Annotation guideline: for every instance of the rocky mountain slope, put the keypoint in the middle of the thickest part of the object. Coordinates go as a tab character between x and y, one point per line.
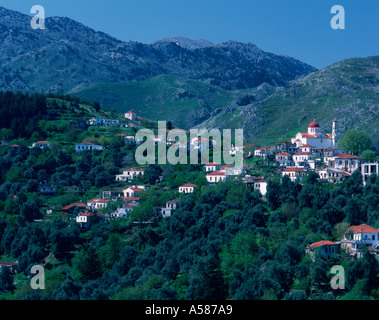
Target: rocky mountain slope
347	91
67	56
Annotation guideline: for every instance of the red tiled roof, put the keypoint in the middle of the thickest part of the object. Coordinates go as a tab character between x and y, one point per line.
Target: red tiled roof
346	156
131	199
41	142
313	125
86	214
174	201
68	207
283	154
363	228
130	112
98	200
135	189
80	205
303	154
307	135
293	169
188	185
322	243
212	164
216	174
306	146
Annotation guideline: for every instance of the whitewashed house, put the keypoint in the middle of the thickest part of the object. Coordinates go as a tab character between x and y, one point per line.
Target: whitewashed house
103	122
209	167
41	144
231	171
307	148
345	162
326	249
130	174
262	153
294	173
202	144
330	153
304	160
332	175
97	203
132	192
261	186
187	188
171	206
131	115
368	169
214	177
283	159
87	146
358	236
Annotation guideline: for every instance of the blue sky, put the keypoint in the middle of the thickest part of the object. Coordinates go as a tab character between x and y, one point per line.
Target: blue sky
297	28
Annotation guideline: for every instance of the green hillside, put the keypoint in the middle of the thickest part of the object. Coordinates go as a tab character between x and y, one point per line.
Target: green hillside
183	101
346	91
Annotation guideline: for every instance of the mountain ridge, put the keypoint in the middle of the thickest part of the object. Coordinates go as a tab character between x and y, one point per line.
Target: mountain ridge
67	56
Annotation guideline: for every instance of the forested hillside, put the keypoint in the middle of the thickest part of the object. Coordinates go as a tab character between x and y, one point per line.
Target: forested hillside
224	242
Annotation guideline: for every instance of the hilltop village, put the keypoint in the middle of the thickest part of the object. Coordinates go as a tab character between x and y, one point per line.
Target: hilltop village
80	182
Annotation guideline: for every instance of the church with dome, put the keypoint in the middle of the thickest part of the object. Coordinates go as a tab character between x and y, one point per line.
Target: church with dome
316	138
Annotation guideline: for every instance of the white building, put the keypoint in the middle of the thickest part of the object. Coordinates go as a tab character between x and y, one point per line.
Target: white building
130	174
132	192
307	148
315	137
283	159
87	146
131	115
330	153
214	177
358	236
368	169
41	144
202	144
294	173
262	153
187	188
103	122
345	162
171	206
304	160
209	167
261	186
83	218
231	171
97	203
332	175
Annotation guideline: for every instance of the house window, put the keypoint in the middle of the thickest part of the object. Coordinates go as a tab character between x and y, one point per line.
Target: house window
373	237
